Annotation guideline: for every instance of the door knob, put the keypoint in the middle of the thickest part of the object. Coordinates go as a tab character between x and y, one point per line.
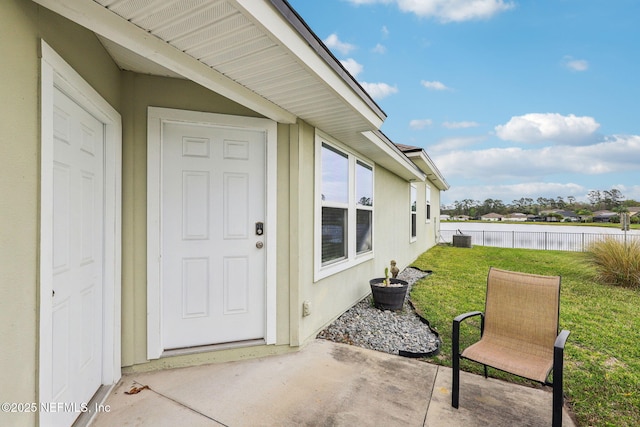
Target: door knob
259	245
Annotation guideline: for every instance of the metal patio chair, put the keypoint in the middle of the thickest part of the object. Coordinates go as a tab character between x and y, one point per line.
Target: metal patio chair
519	332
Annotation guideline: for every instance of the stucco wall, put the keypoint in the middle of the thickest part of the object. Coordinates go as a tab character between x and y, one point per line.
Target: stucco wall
139	92
331	296
22	25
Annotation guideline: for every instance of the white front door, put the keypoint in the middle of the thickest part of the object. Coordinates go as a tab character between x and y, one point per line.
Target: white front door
78	244
213	254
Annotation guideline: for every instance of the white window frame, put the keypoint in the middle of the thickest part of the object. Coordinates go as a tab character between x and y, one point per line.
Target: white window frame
352	258
427	212
413	189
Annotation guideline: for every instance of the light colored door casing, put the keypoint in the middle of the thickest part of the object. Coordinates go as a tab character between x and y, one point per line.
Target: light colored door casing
79	337
211	276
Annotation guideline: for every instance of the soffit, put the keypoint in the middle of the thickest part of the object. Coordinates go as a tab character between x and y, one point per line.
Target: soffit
225	36
256	52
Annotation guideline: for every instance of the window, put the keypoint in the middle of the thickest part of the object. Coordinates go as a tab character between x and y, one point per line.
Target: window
364	207
428	202
344	203
414	213
335	204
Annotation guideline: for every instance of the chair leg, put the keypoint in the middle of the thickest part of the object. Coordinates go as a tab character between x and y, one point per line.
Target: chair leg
558	398
455	357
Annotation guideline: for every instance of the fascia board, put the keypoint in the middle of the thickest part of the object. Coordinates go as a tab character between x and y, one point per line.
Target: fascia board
393	160
272	22
422	159
100	20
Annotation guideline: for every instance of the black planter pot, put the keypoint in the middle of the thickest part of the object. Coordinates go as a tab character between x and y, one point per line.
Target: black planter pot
388	297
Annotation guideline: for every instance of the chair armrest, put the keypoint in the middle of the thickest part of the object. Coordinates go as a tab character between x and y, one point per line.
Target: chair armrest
465	316
561	339
455	331
460	318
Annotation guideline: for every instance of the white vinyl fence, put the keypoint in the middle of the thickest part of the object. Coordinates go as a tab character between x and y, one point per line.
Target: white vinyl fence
543	240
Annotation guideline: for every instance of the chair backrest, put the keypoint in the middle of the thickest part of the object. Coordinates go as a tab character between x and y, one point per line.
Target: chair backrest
522	307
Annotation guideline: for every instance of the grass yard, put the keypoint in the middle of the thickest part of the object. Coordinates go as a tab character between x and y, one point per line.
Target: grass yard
602	355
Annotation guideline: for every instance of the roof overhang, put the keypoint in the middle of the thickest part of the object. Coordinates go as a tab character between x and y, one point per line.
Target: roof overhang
258	53
423	161
387	154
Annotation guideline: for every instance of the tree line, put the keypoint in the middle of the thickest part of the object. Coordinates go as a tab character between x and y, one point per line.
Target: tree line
612	200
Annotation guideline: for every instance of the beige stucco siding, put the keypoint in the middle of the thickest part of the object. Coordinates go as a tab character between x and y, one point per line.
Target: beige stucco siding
331	296
139	92
22	25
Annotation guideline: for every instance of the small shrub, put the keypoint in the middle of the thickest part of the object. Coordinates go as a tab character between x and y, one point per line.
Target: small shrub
617	263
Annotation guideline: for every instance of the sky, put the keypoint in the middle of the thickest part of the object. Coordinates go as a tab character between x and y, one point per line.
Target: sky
509	98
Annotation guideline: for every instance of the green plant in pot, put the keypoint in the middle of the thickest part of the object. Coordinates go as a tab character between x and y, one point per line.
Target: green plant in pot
389	292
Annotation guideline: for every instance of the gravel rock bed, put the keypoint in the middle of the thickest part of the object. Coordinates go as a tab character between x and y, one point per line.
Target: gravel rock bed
402	332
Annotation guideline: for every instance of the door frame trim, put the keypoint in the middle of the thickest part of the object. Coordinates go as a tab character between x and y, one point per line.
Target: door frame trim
156	118
57	73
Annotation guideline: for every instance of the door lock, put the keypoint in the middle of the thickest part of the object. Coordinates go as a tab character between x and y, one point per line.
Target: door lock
259	228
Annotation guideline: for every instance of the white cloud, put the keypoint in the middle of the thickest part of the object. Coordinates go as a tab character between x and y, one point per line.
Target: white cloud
434	85
379	49
352	66
553	127
510	173
379	90
460	125
630	192
455	143
448	10
615	154
385	31
575	64
420	123
333	42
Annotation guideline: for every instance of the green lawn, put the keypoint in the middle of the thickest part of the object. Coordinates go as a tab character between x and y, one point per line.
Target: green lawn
602	356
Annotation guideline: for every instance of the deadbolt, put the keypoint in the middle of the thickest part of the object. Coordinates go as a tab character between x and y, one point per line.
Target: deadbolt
259	245
259	228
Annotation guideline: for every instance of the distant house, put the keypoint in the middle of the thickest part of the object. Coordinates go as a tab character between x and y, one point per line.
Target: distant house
634	211
603	216
461	218
516	217
568	215
492	217
552	215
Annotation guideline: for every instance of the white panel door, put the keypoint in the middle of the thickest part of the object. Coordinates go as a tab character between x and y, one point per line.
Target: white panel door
213	261
78	239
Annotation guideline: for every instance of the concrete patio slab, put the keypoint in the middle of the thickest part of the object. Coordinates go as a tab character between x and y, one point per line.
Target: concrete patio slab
324	384
489	402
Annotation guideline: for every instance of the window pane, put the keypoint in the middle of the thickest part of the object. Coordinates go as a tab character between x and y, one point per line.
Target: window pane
335	175
414	208
334	234
363	231
414	198
414	231
364	185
